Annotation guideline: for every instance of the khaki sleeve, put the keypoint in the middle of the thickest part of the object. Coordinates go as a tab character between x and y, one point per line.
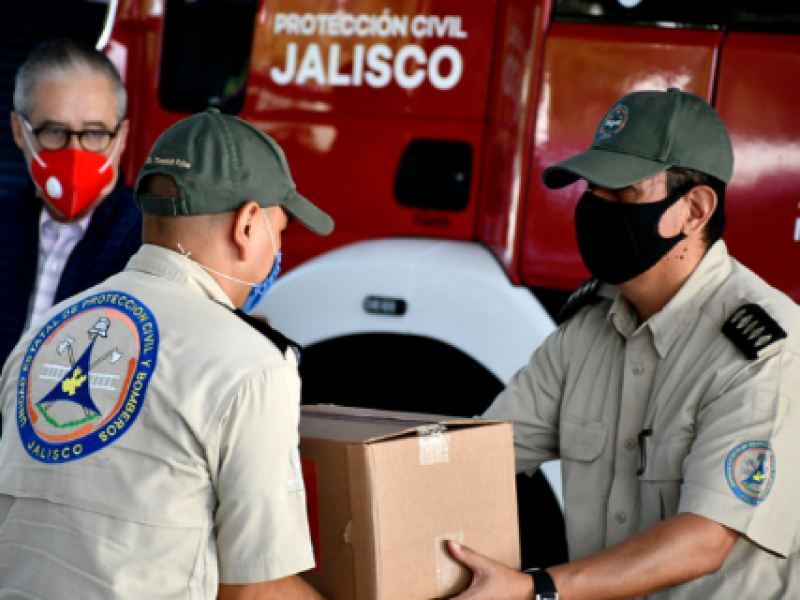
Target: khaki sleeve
742	470
261	522
532	401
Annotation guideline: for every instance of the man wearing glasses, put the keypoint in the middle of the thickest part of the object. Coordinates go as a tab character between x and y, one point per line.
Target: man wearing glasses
76	223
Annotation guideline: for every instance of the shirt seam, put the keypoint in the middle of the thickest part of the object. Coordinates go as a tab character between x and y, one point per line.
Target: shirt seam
226	405
267	561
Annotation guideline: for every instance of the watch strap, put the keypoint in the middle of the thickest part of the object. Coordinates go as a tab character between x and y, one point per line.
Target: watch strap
543	586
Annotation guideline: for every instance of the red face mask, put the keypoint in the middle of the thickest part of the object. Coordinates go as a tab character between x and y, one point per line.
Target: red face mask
71	178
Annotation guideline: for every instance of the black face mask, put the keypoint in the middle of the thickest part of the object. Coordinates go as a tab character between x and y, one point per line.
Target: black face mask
619	242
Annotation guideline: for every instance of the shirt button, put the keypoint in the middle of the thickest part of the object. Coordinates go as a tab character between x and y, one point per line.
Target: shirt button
630	444
637	369
54	265
619	517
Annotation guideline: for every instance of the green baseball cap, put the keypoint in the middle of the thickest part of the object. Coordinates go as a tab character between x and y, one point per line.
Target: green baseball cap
646	133
219	163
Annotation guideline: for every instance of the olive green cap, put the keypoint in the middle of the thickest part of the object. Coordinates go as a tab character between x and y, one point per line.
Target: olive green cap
646	133
219	163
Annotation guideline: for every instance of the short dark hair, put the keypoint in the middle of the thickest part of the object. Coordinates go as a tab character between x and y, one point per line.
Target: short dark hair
61	58
678	177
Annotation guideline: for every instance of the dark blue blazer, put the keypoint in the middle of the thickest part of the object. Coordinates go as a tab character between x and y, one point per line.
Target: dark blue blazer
114	235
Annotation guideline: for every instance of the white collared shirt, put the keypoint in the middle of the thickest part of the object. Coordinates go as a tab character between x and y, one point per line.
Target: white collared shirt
56	243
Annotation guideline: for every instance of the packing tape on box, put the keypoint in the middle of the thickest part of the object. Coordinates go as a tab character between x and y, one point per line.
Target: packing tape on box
447	567
434	445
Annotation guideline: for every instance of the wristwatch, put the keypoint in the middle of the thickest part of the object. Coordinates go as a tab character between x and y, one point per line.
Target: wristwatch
543	586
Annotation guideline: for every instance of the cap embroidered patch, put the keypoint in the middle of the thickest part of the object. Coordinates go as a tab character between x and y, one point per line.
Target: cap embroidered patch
613	122
84	377
750	471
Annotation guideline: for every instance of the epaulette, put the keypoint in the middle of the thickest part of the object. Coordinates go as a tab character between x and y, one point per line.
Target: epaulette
273	335
583	296
751	330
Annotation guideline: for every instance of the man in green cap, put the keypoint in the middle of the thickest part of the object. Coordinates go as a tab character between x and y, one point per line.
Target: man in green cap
671	390
151	445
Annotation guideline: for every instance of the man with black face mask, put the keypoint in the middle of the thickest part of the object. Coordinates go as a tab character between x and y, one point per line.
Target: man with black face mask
671	390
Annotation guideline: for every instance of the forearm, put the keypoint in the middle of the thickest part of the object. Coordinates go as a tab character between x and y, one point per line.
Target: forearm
288	588
672	552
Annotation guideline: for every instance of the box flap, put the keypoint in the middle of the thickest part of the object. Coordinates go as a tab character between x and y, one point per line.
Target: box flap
432	429
368	426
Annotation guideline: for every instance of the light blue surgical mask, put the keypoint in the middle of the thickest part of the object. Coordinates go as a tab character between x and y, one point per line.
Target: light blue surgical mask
258	290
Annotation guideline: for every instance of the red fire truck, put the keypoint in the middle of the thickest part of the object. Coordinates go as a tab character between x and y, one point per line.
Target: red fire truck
422	127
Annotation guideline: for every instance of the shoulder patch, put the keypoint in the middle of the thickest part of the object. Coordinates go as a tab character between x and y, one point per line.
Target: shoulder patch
750	471
751	330
84	378
586	294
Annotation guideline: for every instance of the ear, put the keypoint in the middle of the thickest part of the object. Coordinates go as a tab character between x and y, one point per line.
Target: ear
243	228
16	128
124	128
19	140
702	202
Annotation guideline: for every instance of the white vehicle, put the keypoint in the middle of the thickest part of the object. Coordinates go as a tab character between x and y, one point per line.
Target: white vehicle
421	325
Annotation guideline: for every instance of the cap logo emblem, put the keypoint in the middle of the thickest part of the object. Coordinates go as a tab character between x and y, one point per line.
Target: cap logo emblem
613	122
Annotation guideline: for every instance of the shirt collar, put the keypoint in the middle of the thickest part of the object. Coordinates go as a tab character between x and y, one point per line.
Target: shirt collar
172	266
46	221
668	323
622	315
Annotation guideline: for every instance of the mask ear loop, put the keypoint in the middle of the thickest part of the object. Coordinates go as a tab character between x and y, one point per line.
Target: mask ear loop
187	256
27	141
269	229
110	158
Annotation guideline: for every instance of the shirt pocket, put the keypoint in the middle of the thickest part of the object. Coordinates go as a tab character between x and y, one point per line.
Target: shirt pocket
582	440
581	444
662	478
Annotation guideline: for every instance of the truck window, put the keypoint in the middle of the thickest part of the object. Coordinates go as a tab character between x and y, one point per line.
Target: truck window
206	54
666	13
757	15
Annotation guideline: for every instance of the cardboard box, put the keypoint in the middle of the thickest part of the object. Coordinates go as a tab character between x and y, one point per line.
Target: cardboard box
386	489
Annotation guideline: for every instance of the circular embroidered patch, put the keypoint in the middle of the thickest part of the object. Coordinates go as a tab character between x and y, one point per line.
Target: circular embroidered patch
84	377
750	471
613	122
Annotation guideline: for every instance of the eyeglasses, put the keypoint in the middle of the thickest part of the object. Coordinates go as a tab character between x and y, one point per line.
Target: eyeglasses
55	137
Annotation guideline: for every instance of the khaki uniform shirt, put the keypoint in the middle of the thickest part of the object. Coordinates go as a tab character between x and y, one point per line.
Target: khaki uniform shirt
725	430
150	445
